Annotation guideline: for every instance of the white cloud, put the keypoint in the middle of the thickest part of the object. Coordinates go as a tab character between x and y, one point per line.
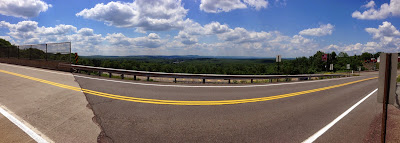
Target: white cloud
216	6
370	4
23	8
145	15
385	10
386	39
384	30
386	33
216	28
257	4
28	32
321	31
150	41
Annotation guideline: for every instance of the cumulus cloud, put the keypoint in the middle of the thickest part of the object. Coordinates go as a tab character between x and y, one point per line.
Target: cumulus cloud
321	31
145	15
257	4
150	41
386	39
216	6
216	28
23	8
386	33
28	32
385	10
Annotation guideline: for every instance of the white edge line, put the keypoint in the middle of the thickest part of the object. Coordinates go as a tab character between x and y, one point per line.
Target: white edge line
327	127
24	127
168	85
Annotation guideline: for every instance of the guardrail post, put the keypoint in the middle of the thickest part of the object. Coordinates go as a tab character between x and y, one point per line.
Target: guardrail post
175	80
122	76
204	80
134	77
251	80
109	75
148	78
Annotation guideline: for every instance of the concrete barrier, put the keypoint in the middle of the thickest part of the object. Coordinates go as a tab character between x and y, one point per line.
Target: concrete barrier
54	65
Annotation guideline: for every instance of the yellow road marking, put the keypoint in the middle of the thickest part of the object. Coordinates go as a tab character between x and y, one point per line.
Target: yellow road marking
177	102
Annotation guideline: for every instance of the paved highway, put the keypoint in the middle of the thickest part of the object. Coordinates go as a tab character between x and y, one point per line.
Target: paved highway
130	111
291	119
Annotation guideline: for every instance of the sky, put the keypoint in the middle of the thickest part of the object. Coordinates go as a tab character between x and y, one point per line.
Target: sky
257	28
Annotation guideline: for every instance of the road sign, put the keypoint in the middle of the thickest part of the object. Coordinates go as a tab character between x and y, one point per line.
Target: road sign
278	58
331	67
76	58
348	66
325	57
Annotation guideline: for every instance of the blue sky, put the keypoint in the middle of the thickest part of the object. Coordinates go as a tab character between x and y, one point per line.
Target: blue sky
261	28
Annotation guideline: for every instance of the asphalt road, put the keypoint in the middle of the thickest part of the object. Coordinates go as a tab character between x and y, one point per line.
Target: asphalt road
290	119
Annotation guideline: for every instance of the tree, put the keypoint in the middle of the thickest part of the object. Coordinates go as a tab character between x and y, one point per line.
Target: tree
4	43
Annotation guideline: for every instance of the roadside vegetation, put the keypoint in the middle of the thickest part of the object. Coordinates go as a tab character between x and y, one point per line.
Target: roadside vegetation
200	65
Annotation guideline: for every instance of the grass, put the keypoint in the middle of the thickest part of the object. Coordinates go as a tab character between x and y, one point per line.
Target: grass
398	78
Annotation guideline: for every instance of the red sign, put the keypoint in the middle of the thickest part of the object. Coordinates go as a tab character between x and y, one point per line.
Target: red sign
325	57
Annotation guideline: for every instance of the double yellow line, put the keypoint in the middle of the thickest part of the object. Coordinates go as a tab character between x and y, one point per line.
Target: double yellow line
176	102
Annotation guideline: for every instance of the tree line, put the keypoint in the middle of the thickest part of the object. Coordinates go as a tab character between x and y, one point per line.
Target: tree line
300	65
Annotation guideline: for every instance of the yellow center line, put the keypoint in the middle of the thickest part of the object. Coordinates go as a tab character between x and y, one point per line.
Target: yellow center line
177	102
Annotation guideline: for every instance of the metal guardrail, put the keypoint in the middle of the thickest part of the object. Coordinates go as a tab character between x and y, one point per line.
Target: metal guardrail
186	75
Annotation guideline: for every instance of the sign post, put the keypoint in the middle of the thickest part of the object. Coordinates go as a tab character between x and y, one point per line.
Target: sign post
331	67
387	86
76	58
278	60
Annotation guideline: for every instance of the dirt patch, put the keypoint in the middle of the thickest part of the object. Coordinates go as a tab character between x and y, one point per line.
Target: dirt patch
392	127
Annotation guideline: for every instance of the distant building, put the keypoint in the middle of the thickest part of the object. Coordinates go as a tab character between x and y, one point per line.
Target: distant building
379	59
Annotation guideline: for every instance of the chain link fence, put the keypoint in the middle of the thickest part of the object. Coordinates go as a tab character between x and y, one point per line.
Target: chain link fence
50	52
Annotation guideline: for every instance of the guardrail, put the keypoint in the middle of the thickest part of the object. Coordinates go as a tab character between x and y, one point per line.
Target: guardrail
147	74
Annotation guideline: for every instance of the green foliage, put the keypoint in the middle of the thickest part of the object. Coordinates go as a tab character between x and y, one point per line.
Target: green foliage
300	65
4	43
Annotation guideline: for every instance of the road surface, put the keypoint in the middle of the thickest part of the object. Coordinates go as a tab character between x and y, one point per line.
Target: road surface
131	111
291	119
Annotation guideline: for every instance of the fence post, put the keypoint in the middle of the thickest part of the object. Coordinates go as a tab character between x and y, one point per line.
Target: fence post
122	76
30	53
229	80
251	80
148	78
134	77
100	73
109	74
204	80
8	52
175	80
70	62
